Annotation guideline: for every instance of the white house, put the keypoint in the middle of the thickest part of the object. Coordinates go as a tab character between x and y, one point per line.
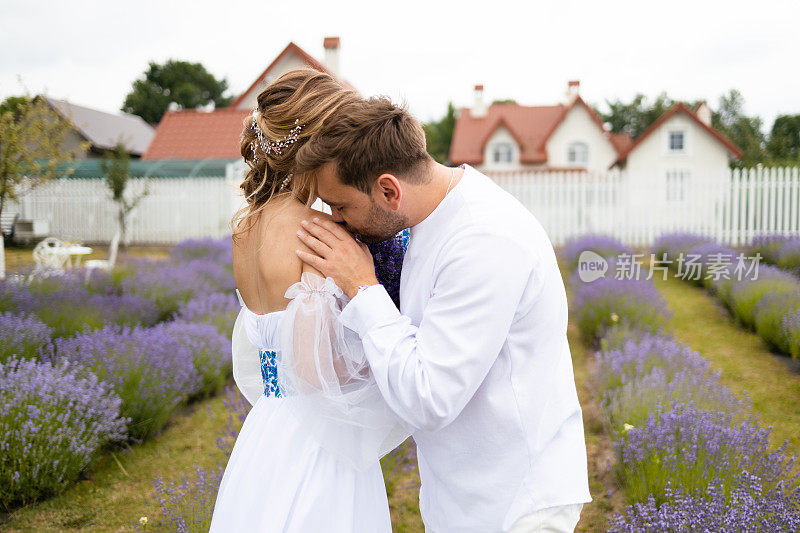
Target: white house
571	136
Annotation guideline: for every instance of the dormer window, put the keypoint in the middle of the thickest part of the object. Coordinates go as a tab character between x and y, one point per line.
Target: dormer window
676	141
578	153
502	153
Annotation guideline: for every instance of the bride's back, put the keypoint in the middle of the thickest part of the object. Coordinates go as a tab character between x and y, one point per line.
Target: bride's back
264	260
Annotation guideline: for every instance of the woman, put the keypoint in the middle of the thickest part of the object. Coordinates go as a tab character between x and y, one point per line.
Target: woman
307	456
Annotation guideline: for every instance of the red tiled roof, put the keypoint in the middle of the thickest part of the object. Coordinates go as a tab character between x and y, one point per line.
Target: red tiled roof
530	126
330	42
194	134
680	107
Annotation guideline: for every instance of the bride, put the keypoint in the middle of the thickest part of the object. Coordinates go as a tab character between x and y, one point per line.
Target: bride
307	456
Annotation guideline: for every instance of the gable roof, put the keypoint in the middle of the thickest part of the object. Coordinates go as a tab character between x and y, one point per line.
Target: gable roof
680	107
192	134
291	48
531	127
104	130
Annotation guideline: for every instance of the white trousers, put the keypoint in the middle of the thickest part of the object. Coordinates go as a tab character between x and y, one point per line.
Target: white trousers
559	519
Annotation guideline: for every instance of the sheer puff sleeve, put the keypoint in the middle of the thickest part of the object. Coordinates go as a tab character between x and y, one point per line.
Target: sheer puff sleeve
326	378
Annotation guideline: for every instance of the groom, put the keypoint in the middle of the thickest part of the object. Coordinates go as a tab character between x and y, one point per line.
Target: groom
476	359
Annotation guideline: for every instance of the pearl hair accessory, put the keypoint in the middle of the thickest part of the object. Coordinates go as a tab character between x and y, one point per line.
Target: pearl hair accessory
276	147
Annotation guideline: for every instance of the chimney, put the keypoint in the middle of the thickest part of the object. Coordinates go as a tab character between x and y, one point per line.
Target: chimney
703	112
331	45
479	109
573	89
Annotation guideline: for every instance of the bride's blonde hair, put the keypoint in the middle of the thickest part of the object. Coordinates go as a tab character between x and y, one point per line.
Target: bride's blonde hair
294	107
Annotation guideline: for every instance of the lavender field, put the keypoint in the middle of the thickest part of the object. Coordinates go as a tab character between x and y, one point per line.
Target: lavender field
687	448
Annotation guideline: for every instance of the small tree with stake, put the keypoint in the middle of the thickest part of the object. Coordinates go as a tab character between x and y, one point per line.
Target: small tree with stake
116	169
31	149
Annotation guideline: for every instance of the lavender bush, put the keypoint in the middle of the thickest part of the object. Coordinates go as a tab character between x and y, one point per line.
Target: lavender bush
210	352
608	301
769	314
53	420
675	243
23	335
603	245
789	256
690	447
745	295
187	504
218	309
769	246
166	285
217	250
790	326
749	507
151	371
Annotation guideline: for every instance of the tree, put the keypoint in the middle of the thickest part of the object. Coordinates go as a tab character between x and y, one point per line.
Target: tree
189	85
439	134
116	169
634	117
745	132
31	149
783	146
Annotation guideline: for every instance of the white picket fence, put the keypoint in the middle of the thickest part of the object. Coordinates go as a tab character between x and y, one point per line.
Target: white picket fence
732	206
81	209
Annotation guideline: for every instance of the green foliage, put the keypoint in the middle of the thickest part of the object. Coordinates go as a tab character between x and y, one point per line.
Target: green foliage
31	145
116	169
189	85
745	132
635	117
784	140
439	135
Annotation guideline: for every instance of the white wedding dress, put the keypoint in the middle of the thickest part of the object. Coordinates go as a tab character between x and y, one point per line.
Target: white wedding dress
307	456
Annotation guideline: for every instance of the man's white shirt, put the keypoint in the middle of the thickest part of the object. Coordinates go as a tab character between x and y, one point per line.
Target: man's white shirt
478	362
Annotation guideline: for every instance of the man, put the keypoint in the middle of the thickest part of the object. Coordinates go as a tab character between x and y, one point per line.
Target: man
476	360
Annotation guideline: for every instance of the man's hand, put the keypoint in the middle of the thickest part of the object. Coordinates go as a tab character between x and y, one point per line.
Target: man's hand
337	255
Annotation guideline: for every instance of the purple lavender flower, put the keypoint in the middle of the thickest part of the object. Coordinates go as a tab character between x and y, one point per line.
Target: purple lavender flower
769	314
675	243
151	370
745	295
603	245
608	302
53	421
769	246
790	326
165	284
789	256
23	336
217	250
210	352
691	447
188	503
217	308
749	507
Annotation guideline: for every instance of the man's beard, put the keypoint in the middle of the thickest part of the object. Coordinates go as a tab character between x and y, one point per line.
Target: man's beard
380	225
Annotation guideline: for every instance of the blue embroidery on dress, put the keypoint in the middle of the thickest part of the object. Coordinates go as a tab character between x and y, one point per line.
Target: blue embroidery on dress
269	372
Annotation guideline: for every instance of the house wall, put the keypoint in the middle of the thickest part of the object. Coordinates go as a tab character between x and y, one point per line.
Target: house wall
703	155
579	126
288	62
500	136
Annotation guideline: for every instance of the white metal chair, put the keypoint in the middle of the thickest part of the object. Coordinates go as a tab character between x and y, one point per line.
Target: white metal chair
50	257
104	264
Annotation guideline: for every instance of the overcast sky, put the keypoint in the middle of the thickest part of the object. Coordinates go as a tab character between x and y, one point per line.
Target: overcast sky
424	52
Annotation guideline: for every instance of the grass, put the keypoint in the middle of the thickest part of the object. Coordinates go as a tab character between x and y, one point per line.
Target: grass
771	380
19	256
118	488
607	496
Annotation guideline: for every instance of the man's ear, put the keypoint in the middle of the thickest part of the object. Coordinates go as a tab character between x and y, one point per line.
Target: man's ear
389	191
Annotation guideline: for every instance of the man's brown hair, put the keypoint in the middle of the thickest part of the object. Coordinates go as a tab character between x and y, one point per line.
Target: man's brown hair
365	139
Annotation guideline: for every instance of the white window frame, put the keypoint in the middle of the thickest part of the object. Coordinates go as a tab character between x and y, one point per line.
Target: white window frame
684	138
677	183
573	152
500	149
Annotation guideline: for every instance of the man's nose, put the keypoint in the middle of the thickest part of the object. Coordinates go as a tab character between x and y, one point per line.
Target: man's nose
336	216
